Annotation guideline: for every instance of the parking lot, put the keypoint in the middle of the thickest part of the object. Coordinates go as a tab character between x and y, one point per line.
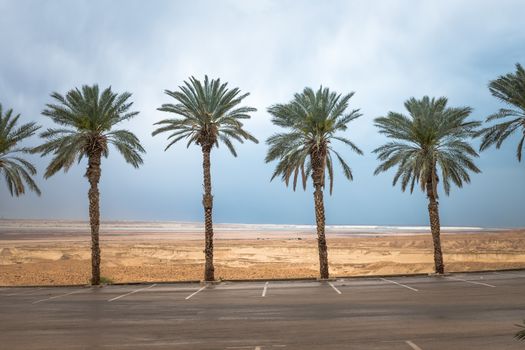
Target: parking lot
458	311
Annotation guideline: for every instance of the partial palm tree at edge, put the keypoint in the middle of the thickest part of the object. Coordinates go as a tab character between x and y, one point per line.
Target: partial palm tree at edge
87	117
509	89
520	335
17	171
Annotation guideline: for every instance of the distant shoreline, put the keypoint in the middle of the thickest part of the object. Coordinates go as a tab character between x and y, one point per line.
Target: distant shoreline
4	222
13	229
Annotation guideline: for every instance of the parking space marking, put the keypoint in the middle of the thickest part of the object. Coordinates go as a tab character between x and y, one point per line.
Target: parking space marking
189	296
264	290
473	282
56	296
259	347
332	285
400	284
132	292
412	345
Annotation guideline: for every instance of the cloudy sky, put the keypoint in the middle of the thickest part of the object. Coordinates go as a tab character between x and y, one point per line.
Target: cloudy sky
385	51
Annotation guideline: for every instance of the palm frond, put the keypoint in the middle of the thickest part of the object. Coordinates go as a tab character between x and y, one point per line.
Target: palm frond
208	113
509	89
17	171
520	335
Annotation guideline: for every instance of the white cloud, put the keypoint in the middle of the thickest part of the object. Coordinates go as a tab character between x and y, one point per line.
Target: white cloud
385	51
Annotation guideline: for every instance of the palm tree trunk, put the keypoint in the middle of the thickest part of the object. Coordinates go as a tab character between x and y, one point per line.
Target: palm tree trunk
207	202
321	238
93	175
318	166
433	211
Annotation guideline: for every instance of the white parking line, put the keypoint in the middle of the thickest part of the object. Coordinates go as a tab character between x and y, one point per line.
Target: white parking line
332	285
400	284
56	296
412	345
132	292
189	296
259	347
473	282
264	290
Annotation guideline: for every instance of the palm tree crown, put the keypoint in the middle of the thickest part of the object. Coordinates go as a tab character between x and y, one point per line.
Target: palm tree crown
208	113
15	169
432	136
88	118
313	120
510	89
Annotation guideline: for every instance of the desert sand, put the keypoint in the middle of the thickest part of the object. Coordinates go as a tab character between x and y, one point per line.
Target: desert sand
37	252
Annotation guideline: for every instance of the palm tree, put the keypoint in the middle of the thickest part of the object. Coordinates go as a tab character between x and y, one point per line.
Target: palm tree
520	335
15	169
433	136
312	120
510	89
87	119
208	113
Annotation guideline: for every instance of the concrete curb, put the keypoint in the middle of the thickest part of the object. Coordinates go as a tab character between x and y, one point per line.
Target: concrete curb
332	279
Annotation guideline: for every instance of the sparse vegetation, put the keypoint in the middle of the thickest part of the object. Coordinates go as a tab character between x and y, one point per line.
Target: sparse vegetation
105	280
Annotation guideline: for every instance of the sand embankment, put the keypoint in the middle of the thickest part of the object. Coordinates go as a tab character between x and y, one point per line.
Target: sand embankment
42	253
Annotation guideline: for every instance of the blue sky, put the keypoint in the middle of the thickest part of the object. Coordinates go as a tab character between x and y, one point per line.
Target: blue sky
385	51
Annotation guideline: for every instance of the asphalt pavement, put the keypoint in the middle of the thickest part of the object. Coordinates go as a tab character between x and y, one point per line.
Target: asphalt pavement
459	311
